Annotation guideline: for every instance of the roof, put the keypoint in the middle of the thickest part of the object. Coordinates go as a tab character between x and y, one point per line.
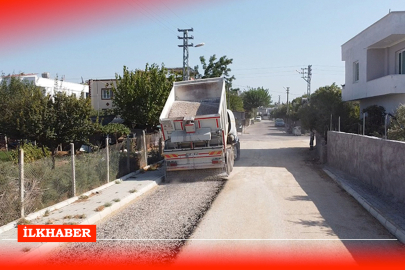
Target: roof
391	13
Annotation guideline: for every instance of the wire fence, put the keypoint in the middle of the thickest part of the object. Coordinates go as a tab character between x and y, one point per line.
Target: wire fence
50	180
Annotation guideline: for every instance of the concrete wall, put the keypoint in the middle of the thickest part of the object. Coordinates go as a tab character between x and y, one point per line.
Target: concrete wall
375	161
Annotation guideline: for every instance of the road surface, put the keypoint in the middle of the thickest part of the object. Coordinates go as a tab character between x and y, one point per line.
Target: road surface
279	202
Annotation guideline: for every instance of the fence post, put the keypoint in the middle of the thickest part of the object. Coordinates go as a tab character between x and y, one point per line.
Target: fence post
6	141
364	123
330	122
21	169
339	123
72	154
107	158
145	148
128	153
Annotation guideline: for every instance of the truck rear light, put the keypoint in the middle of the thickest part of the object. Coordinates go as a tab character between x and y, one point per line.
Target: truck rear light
216	161
172	163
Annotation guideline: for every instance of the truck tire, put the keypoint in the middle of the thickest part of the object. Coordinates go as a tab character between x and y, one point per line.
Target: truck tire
228	165
232	158
237	151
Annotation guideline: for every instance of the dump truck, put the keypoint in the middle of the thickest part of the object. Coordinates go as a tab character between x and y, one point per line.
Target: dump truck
198	130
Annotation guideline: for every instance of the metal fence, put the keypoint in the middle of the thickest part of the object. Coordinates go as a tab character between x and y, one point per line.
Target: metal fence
26	187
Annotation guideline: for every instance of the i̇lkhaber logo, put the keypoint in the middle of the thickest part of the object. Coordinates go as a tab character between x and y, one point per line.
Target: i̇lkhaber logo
56	233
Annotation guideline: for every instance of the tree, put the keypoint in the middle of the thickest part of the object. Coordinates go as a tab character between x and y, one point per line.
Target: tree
68	121
214	69
256	97
375	120
397	127
280	112
140	95
24	110
234	101
115	129
326	102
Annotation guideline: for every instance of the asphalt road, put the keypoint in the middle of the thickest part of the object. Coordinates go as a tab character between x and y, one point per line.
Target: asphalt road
278	202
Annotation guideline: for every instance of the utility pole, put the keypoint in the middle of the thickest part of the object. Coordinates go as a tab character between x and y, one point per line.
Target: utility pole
185	38
307	75
279	100
288	107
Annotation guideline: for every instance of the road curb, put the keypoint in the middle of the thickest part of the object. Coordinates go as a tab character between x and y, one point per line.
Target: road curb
393	228
46	247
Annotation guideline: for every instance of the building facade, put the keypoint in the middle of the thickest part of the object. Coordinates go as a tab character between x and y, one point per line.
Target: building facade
101	94
375	64
52	86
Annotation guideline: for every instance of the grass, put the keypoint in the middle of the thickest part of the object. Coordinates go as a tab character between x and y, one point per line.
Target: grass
5	156
82	216
67	217
100	208
46	213
116	200
26	249
118	181
107	204
132	191
83	197
23	221
70	223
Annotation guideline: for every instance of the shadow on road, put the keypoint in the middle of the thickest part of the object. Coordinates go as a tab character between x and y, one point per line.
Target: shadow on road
343	216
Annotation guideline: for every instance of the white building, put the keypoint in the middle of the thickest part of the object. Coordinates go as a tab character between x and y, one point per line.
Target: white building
101	93
53	86
375	64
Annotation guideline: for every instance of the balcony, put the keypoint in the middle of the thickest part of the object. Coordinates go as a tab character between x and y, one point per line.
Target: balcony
390	84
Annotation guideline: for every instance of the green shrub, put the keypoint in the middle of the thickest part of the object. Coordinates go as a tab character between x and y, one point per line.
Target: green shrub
31	153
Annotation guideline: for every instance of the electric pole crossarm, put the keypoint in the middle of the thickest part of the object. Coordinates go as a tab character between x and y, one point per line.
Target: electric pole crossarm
191	37
183	30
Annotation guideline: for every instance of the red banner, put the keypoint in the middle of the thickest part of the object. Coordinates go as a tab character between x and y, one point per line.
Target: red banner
57	233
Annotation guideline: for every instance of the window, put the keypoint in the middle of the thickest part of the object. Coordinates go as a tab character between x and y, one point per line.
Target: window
106	93
401	62
356	71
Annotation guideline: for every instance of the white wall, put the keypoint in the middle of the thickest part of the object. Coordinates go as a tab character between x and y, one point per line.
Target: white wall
52	86
389	102
95	87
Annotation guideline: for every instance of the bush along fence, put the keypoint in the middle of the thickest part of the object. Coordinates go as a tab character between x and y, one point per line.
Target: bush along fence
27	187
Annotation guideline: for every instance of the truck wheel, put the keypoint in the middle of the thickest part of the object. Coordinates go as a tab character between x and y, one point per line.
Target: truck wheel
232	159
237	151
228	165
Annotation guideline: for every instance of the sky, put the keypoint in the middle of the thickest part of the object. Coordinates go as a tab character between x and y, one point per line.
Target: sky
269	41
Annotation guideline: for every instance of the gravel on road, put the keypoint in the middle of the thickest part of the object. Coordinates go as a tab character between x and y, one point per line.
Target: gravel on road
189	108
132	235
